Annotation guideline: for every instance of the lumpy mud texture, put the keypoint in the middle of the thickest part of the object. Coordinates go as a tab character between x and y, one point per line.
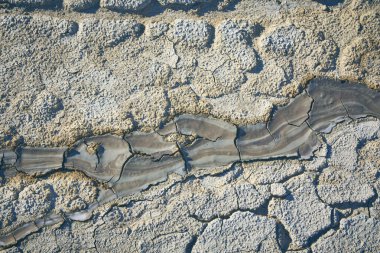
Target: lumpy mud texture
189	126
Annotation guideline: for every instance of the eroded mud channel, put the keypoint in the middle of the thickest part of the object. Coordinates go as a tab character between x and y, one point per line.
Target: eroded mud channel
297	141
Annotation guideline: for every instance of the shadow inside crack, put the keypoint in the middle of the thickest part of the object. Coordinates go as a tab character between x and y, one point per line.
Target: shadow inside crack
283	237
26	6
330	2
202	8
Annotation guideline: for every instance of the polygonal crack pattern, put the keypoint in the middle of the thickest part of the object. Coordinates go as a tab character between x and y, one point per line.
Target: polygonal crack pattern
139	161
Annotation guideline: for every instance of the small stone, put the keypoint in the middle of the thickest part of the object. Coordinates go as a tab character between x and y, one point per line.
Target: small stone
278	190
92	148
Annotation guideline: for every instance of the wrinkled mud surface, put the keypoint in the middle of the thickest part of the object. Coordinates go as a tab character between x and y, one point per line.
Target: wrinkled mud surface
189	126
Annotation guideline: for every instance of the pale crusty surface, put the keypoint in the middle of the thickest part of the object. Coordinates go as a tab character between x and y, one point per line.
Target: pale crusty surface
68	74
82	68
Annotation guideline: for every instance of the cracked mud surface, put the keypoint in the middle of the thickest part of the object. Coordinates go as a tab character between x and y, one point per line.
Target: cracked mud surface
189	126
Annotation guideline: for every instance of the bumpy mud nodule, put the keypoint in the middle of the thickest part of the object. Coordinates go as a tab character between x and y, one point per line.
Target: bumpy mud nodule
189	126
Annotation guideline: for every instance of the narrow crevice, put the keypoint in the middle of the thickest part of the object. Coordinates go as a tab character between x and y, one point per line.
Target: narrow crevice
221	65
334	225
267	127
94	238
238	134
189	247
260	211
345	108
330	3
271	116
213	71
2	163
56	241
184	158
168	106
122	168
355	205
265	238
308	113
282	236
155	237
